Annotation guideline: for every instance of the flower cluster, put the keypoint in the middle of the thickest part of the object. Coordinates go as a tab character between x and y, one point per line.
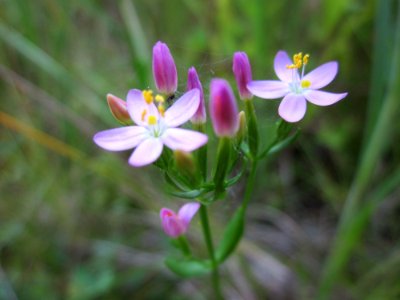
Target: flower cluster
152	122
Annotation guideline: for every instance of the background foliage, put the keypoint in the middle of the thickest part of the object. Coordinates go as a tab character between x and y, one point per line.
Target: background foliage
79	223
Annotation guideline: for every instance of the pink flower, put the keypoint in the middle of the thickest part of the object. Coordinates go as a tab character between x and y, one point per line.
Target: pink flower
223	108
242	71
155	127
193	82
296	89
177	224
164	69
118	109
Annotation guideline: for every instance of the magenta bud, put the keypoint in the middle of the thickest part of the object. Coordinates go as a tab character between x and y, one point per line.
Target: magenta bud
118	109
164	69
176	224
193	82
223	108
242	72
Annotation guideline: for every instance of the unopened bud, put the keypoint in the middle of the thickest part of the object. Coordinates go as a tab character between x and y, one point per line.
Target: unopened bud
118	109
242	72
193	82
242	127
164	69
223	108
184	162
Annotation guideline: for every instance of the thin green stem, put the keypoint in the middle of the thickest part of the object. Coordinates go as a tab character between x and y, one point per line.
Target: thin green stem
184	245
250	185
210	247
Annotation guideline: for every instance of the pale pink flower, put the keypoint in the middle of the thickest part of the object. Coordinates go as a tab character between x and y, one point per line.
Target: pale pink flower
155	128
296	89
177	224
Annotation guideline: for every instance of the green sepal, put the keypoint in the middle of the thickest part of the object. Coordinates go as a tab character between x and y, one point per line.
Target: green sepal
232	235
188	267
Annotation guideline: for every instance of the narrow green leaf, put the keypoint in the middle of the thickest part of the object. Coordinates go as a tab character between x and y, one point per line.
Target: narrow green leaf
188	268
231	236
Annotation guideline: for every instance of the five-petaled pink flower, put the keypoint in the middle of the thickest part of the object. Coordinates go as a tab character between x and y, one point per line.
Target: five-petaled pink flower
177	224
155	127
296	88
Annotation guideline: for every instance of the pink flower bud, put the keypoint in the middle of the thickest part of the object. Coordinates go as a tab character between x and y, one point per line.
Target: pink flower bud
177	224
164	69
118	109
193	82
242	71
223	108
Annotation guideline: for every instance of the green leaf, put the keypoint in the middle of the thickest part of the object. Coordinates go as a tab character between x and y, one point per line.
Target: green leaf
188	268
283	144
189	194
231	236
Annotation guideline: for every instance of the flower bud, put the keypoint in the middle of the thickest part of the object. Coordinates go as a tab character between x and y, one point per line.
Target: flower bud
193	82
118	109
164	69
184	162
242	72
242	127
223	108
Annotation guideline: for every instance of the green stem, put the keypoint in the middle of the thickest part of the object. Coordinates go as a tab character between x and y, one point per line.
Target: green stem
250	185
202	153
210	247
252	128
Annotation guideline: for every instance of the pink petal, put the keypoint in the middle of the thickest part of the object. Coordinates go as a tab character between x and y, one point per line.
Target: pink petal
187	212
172	224
282	60
323	75
146	152
322	98
119	139
293	107
183	139
183	109
268	89
137	105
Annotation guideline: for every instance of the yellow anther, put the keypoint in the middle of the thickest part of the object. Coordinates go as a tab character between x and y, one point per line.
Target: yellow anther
161	110
144	113
305	84
148	96
160	99
152	120
297	61
305	59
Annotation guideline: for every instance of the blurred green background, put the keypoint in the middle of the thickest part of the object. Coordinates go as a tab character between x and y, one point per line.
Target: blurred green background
77	222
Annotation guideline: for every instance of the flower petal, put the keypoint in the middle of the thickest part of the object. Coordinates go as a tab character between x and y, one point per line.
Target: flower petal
322	98
172	224
322	76
146	153
268	89
187	212
138	108
183	139
293	107
281	61
119	139
183	109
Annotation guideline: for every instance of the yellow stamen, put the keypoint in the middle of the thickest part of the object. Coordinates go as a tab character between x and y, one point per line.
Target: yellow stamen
160	99
152	120
161	109
297	61
144	113
305	84
305	59
148	96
